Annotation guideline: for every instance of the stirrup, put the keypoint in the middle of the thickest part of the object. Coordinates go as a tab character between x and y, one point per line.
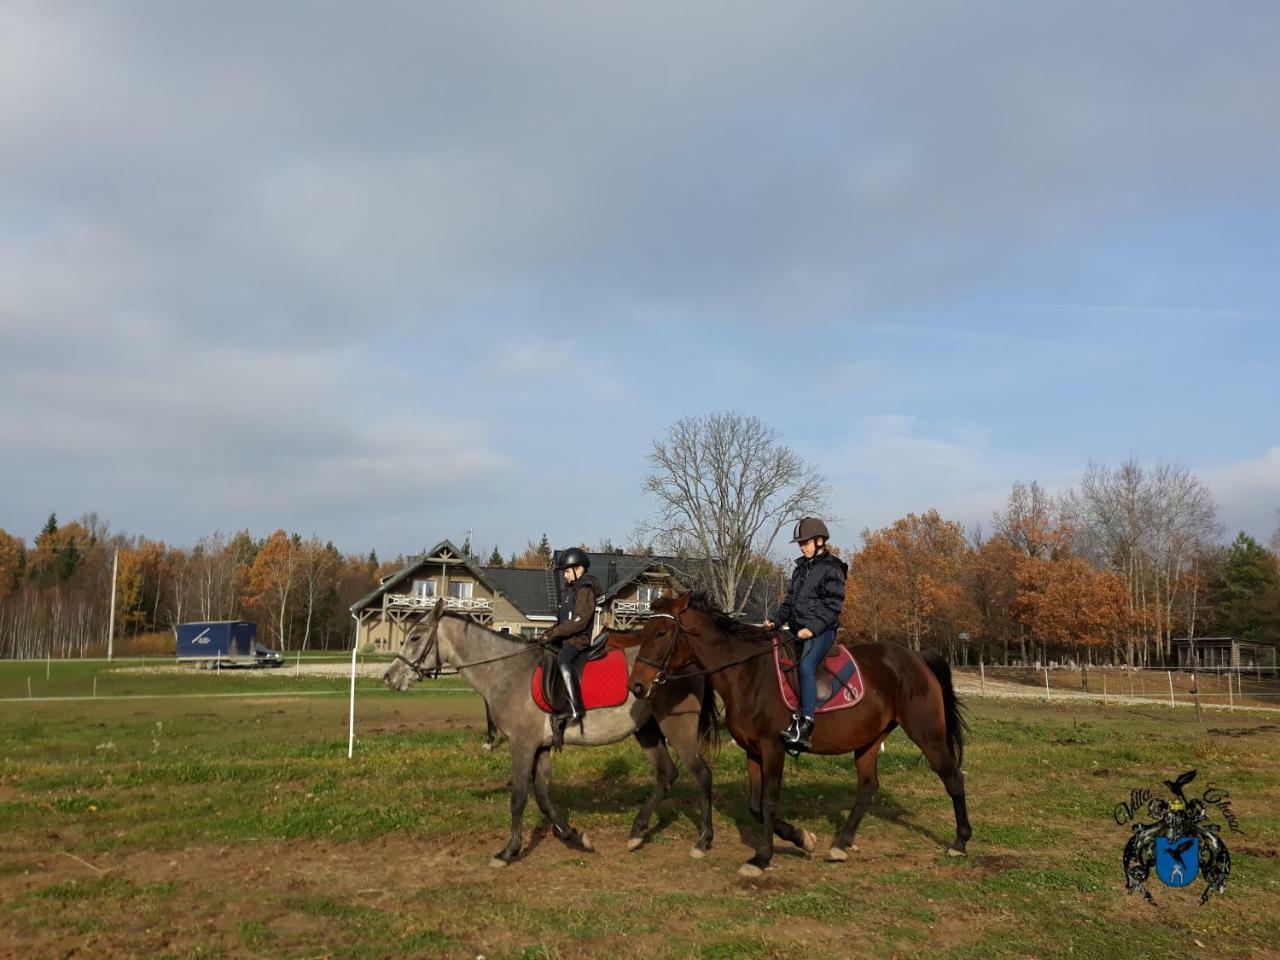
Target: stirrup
790	734
803	740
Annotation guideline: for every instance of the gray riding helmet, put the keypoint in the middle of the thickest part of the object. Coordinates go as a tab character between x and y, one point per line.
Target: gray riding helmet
808	528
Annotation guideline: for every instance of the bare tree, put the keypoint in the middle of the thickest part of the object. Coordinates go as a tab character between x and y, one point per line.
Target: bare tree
1148	526
725	487
319	565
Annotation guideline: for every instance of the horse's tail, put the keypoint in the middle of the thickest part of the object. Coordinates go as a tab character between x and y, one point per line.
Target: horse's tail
709	723
952	707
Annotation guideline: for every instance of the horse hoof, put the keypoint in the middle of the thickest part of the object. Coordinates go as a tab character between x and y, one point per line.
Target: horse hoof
634	844
953	852
810	842
697	854
836	855
749	871
498	863
586	844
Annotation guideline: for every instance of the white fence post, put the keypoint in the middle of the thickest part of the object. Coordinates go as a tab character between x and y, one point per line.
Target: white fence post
982	678
1231	700
1169	674
1046	684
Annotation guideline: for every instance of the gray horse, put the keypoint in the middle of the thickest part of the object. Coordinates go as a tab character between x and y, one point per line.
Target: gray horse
501	668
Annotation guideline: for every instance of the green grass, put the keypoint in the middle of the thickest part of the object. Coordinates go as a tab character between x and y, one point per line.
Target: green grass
159	794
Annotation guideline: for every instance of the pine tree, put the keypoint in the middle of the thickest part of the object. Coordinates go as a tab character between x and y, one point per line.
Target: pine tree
495	558
544	548
1248	591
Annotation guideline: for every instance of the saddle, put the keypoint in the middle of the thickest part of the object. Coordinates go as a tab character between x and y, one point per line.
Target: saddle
839	679
603	680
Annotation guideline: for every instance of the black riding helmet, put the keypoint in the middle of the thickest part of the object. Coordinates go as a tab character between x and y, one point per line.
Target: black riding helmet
808	528
574	557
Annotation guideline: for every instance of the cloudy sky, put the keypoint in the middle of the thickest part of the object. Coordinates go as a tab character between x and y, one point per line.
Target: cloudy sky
390	271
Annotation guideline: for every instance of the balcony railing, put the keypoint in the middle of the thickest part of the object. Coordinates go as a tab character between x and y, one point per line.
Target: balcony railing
466	604
632	608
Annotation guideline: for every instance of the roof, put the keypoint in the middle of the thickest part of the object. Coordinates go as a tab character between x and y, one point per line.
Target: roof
534	591
416	564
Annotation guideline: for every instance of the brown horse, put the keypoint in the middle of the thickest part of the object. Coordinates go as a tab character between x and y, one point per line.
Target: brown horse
687	635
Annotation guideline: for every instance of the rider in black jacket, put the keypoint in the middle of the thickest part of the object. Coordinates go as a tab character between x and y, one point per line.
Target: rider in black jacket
574	621
812	612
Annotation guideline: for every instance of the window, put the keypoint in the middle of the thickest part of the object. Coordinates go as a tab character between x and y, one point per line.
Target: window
424	589
529	633
647	595
460	589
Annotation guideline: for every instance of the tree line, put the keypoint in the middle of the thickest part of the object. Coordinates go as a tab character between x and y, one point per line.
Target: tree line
55	595
1111	571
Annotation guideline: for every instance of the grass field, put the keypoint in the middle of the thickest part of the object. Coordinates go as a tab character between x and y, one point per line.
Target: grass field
238	828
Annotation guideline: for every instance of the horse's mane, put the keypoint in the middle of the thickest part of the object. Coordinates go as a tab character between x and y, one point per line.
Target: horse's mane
734	629
468	621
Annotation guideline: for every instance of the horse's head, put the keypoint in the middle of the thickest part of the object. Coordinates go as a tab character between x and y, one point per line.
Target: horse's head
419	656
664	645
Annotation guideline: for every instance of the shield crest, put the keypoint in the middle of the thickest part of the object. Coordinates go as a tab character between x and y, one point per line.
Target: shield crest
1177	861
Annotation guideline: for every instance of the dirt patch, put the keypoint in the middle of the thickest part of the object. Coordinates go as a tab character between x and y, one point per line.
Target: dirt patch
217	896
1244	731
1265	853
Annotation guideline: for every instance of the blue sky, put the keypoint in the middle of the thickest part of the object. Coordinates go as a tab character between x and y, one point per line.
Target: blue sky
393	273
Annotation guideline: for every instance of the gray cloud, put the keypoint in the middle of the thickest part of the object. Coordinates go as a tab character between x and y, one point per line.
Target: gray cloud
351	215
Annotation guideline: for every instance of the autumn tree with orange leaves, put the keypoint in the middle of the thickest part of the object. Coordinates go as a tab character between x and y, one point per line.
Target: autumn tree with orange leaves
272	583
1068	605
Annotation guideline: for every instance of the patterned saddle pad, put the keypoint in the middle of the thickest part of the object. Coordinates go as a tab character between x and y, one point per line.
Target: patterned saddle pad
839	680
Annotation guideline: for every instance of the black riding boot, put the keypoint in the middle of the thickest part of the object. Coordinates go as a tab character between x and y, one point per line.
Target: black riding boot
803	742
796	738
572	691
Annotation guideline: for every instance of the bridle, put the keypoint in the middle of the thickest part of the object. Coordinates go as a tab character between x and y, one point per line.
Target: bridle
664	664
416	665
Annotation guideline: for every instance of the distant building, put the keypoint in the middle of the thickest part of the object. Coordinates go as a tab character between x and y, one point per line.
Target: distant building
1223	653
510	599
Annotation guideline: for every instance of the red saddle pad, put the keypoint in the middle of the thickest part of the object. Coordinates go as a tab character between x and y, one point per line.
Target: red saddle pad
604	682
838	668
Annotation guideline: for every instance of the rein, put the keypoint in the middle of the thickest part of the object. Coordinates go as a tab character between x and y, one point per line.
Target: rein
663	666
432	641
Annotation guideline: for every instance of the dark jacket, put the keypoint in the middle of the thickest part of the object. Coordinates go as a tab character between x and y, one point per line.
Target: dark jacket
576	614
816	595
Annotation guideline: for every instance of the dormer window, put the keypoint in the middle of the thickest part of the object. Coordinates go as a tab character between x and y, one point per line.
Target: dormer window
648	594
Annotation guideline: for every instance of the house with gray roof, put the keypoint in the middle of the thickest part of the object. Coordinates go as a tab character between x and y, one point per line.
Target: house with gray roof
511	599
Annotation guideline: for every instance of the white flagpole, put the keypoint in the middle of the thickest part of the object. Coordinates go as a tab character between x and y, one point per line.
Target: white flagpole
351	732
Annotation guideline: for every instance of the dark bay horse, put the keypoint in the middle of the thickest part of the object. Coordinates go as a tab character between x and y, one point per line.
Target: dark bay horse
901	689
501	668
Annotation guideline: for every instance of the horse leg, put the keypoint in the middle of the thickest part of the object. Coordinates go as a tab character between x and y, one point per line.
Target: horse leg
933	744
522	760
567	835
490	728
868	760
754	798
803	839
771	764
686	742
665	773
